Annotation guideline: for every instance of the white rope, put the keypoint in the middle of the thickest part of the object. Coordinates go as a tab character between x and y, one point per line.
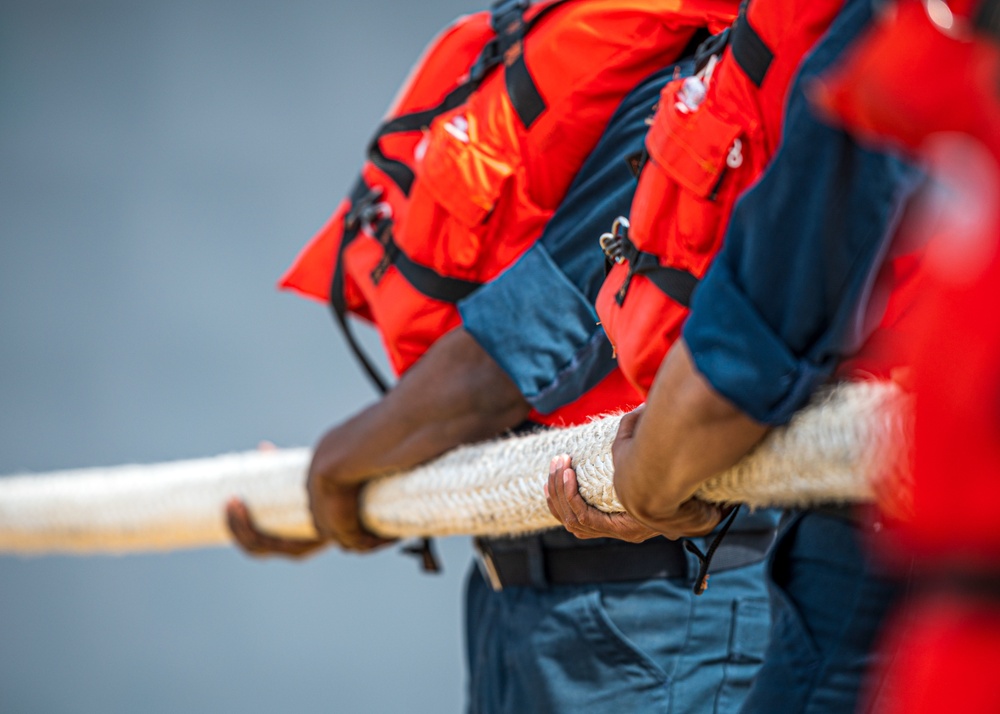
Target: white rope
830	452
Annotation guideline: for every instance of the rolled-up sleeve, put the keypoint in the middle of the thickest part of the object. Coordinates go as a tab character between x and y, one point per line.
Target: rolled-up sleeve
537	319
782	303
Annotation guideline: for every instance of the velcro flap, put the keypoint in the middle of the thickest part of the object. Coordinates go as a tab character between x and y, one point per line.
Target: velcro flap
691	147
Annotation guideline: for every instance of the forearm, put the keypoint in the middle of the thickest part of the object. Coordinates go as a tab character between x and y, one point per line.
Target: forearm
686	434
455	394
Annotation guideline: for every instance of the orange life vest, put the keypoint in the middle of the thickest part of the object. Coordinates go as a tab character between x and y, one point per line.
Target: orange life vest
470	164
711	138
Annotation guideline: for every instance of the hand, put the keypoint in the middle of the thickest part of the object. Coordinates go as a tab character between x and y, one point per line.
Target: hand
337	516
257	542
692	517
562	495
333	506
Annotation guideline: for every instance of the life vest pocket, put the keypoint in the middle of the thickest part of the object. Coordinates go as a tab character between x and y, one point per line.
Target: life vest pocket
700	161
694	148
460	172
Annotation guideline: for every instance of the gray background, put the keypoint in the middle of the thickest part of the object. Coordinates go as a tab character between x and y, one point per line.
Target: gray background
161	163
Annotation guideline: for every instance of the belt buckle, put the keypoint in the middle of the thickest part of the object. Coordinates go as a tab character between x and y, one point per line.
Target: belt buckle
487	567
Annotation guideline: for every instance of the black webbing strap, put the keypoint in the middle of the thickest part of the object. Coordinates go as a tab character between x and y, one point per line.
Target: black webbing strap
365	212
988	18
401	174
431	283
749	50
677	284
363	200
508	23
426	281
712	45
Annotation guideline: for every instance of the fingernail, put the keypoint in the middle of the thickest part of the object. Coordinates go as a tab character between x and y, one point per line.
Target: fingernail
546	487
565	477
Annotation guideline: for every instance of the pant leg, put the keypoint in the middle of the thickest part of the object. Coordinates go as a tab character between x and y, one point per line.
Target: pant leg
650	646
828	602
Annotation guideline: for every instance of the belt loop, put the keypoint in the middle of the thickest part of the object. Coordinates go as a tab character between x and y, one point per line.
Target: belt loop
487	567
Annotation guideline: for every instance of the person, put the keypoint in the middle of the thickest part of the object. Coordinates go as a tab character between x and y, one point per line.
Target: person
712	136
770	321
569	628
947	635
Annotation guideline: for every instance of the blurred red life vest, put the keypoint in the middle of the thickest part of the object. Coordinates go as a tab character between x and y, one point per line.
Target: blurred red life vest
475	155
927	78
935	90
711	138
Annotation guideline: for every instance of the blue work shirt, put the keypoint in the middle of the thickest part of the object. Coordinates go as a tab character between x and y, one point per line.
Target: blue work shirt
782	303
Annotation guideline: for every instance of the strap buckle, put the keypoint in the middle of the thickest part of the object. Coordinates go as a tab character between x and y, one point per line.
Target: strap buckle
366	210
506	11
613	243
489	58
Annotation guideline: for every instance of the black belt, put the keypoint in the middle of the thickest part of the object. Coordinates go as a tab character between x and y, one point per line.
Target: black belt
864	516
537	561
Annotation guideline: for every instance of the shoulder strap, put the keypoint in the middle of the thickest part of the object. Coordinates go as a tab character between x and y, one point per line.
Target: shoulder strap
749	49
506	47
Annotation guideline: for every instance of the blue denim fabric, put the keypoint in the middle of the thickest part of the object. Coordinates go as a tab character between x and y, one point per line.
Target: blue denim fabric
650	646
828	601
537	319
780	305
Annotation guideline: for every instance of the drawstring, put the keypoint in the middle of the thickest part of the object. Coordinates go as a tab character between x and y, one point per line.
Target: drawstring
424	550
701	584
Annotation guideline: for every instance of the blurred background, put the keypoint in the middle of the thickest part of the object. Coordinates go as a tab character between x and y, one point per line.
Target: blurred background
161	163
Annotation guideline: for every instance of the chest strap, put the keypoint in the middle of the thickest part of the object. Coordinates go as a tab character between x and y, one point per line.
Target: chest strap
426	281
677	284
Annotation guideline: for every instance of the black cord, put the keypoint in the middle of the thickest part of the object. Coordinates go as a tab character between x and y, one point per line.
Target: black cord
701	583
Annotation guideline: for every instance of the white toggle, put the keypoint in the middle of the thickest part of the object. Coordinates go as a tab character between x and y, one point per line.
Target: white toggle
735	158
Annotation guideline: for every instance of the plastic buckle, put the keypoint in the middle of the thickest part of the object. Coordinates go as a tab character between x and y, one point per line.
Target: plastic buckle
375	213
502	10
357	215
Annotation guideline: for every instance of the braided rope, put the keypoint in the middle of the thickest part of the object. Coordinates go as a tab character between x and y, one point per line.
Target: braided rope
831	451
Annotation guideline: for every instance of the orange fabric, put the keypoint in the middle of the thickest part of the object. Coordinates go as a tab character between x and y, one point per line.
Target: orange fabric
485	184
699	163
